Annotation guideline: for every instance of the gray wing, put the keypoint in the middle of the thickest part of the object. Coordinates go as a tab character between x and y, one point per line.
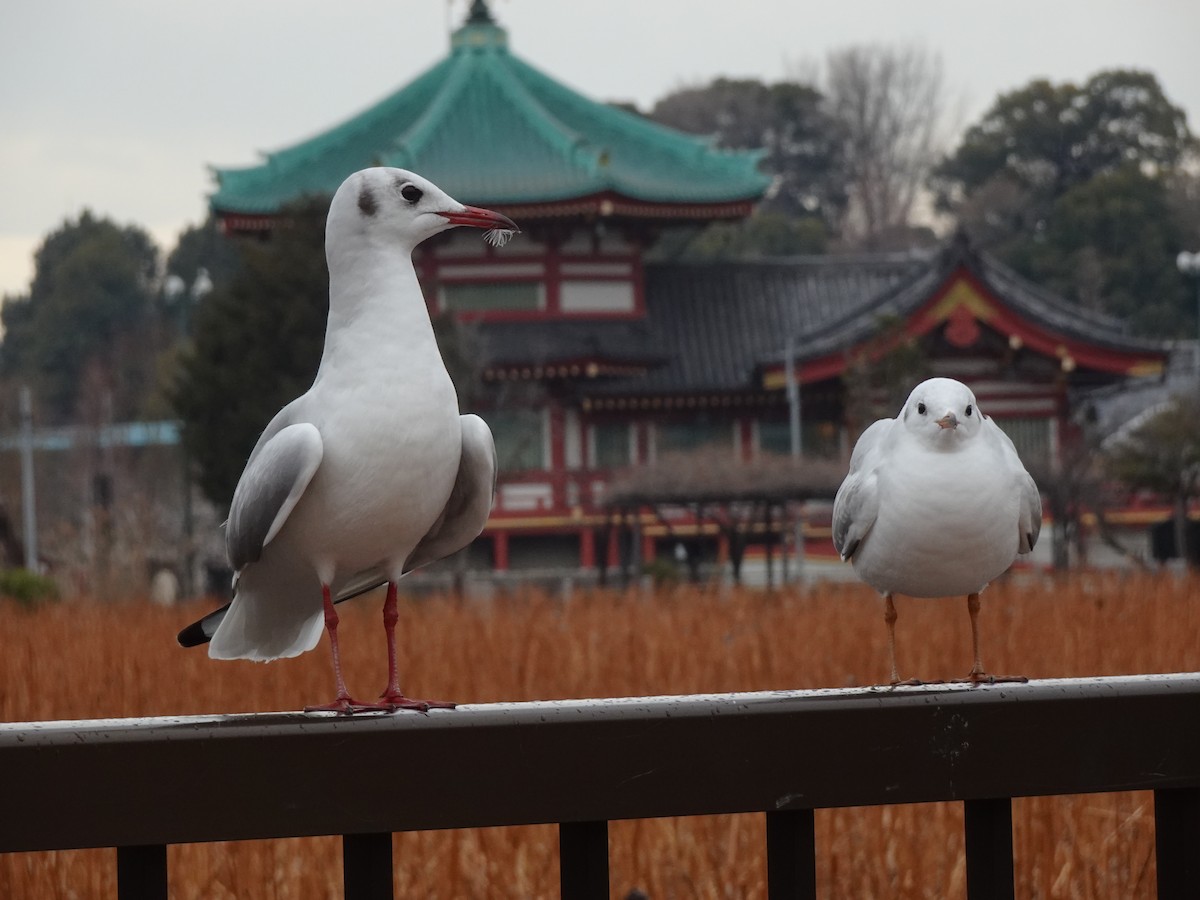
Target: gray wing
464	516
275	477
1031	514
470	501
857	501
1029	520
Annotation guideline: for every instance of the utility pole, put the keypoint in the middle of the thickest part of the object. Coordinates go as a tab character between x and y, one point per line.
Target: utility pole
28	508
793	397
1189	265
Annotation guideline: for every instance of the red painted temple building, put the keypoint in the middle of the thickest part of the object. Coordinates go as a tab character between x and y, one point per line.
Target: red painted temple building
590	359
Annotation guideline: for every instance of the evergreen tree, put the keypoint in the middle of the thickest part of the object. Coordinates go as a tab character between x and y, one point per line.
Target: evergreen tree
89	313
256	345
1110	244
1068	184
1051	138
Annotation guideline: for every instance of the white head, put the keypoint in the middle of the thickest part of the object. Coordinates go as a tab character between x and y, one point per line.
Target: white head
942	413
399	209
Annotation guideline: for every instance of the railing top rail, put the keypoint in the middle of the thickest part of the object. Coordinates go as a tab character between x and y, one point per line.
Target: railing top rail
600	708
113	782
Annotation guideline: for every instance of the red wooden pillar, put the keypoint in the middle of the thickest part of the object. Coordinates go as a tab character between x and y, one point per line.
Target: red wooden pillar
558	456
746	439
647	549
612	552
642	447
500	551
587	549
553	277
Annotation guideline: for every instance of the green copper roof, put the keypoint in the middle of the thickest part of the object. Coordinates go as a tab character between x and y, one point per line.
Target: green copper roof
491	129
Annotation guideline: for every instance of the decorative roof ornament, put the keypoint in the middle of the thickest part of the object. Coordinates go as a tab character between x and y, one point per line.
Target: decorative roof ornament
479	30
480	14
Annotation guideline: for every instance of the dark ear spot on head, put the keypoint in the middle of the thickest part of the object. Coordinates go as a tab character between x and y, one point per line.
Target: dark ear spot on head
366	201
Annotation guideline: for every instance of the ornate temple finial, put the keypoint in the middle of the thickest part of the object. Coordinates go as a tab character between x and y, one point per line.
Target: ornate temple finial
480	30
480	14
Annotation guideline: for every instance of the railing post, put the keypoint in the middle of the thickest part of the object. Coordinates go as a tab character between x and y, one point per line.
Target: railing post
367	866
142	872
988	827
791	855
583	860
1176	839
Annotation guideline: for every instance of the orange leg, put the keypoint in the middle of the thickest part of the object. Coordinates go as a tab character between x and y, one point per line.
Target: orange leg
978	675
977	671
889	616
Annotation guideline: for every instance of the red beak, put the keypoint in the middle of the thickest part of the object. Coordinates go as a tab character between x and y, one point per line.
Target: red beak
480	218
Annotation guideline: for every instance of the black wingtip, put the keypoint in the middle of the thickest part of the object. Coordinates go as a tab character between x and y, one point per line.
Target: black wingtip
193	635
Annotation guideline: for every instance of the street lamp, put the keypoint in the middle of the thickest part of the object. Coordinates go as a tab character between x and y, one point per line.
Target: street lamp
1189	265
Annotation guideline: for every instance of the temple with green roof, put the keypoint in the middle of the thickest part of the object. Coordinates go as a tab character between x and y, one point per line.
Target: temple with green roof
592	360
491	130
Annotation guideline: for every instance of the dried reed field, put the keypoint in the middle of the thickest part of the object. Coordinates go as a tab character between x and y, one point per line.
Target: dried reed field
84	660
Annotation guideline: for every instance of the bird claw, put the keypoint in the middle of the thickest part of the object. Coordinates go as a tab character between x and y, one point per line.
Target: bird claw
911	682
974	677
343	706
348	706
393	702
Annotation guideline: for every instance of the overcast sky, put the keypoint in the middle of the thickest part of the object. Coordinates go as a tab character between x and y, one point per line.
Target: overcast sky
120	105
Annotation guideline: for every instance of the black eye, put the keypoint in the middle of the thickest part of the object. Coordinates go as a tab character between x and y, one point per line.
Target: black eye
921	408
969	408
411	193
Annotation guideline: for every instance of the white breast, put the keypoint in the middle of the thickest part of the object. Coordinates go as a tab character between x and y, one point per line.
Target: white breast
391	455
947	524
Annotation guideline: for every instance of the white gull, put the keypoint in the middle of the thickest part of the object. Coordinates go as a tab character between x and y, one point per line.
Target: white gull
936	504
372	472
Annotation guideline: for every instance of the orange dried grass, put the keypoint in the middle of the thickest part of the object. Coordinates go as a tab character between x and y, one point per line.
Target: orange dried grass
84	660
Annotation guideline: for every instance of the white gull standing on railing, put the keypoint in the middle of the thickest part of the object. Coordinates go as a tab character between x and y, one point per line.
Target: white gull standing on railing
936	504
372	472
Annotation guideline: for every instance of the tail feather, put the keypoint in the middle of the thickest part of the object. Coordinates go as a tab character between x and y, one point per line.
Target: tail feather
202	630
275	613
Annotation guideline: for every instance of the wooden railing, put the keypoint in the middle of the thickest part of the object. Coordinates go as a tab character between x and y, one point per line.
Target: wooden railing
141	784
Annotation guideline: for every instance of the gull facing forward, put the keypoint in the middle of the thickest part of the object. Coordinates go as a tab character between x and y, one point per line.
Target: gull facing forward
372	472
936	504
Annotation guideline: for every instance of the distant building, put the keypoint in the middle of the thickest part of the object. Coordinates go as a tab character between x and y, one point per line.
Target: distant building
591	359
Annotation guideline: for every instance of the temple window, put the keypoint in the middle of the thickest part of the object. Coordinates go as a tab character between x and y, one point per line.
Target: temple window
494	297
611	445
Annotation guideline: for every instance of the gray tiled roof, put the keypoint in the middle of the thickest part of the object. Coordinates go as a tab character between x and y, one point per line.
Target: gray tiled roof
713	326
716	322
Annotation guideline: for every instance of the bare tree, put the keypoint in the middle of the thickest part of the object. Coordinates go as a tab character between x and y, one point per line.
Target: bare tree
891	103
